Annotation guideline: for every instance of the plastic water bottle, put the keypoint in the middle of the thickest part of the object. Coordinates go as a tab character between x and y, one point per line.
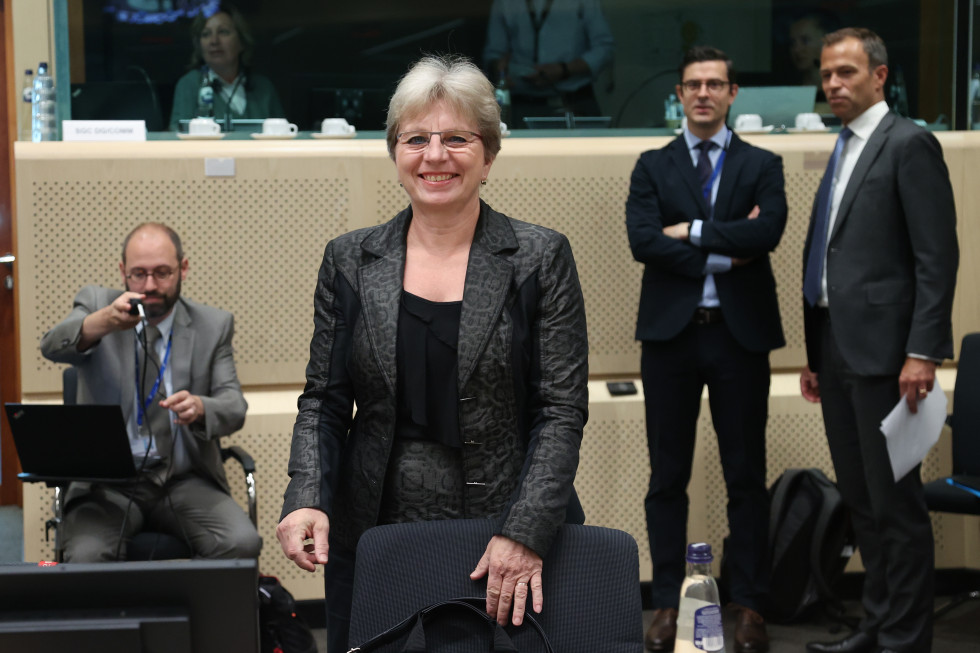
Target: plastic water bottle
899	96
502	94
673	112
44	107
26	107
699	626
975	96
205	98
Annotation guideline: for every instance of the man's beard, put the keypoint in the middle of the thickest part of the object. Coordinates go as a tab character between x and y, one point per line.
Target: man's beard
160	309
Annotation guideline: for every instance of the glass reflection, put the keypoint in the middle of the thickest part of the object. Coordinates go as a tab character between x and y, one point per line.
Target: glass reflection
332	59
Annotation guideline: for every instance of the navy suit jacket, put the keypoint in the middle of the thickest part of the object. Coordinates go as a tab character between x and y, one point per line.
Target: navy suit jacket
892	255
664	190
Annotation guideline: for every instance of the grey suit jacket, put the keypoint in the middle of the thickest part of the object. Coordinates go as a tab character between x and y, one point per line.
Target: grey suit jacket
892	255
202	363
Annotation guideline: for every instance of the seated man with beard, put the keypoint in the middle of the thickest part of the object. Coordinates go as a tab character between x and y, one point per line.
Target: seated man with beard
173	375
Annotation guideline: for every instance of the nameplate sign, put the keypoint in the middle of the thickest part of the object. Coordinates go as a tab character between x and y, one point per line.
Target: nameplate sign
103	130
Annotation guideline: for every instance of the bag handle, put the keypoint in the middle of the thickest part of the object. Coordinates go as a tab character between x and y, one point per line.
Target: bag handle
414	625
501	642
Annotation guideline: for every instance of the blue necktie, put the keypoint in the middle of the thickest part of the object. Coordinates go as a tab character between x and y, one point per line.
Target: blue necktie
813	275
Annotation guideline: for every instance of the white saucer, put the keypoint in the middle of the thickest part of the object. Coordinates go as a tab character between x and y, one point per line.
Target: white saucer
200	137
760	130
273	137
800	130
505	134
334	136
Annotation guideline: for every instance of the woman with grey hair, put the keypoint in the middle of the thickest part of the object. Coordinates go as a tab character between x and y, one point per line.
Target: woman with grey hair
219	83
459	334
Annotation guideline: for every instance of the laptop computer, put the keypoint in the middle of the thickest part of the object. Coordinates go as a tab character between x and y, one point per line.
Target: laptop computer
85	442
778	105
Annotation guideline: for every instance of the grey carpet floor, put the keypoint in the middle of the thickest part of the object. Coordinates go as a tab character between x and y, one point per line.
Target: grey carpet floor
957	631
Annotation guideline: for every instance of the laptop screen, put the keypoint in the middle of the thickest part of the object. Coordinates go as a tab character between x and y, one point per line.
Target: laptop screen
83	442
778	105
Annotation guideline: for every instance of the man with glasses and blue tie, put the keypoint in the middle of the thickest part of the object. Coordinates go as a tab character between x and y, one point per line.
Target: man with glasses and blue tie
168	363
702	216
879	274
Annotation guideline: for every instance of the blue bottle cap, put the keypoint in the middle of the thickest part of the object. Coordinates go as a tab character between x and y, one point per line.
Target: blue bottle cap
699	553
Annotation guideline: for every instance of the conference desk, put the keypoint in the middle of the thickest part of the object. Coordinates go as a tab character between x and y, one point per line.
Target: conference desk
255	215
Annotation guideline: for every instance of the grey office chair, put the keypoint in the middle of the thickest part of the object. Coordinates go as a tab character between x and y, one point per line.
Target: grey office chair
148	545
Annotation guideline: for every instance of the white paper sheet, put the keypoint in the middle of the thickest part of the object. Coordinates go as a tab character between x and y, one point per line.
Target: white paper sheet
910	437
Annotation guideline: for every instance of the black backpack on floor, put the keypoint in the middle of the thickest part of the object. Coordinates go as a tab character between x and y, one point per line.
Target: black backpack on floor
281	630
811	540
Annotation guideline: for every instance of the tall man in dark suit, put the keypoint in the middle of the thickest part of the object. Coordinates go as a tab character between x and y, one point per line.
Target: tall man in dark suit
879	273
703	214
174	377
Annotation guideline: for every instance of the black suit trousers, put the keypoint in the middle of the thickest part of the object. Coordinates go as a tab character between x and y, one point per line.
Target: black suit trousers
894	533
674	373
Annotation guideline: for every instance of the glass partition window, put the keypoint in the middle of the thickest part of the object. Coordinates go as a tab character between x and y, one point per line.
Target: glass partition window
561	63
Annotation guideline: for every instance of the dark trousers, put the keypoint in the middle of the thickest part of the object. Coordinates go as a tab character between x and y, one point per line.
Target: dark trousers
674	374
338	581
894	533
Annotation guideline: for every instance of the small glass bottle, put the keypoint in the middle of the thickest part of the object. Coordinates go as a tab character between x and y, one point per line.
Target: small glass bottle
26	106
44	107
699	624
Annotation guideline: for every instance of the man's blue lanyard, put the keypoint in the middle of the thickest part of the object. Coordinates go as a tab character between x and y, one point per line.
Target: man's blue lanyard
706	190
141	407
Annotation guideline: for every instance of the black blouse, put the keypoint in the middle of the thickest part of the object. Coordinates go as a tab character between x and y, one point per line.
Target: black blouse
428	396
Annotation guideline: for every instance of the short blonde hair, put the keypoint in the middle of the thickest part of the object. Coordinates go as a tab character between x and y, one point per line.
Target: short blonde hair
454	80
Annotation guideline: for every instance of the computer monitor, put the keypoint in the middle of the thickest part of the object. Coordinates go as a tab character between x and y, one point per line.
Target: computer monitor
778	105
130	607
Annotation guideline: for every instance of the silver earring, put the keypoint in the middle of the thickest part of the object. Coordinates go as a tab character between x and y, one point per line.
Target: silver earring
483	182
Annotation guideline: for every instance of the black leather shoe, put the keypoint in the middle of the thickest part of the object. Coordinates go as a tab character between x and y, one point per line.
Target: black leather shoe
856	643
662	631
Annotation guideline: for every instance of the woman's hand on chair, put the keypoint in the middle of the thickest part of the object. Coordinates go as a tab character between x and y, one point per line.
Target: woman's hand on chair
513	573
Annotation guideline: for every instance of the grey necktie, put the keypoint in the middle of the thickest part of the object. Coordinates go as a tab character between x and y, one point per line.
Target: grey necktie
156	418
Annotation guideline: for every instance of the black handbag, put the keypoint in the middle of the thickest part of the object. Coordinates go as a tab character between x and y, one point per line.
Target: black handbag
458	625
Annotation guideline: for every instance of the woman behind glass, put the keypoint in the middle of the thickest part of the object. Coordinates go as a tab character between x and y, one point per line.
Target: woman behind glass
460	335
223	47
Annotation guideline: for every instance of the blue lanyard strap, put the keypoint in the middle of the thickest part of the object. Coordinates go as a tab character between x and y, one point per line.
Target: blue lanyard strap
706	191
141	407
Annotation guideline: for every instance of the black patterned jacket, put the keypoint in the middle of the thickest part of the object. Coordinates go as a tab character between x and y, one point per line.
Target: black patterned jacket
523	373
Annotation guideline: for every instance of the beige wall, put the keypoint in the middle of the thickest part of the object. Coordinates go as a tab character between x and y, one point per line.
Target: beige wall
255	240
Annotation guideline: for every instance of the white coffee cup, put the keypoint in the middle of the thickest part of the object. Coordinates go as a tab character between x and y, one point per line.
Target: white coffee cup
278	126
809	121
336	126
748	121
203	127
503	128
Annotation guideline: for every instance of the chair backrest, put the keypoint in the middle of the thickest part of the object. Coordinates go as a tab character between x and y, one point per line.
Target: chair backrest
966	408
591	582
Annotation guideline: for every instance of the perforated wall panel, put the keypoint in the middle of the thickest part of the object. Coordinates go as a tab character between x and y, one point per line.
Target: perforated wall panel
255	240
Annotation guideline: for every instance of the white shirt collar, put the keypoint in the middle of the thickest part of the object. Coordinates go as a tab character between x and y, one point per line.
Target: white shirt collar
720	138
865	124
